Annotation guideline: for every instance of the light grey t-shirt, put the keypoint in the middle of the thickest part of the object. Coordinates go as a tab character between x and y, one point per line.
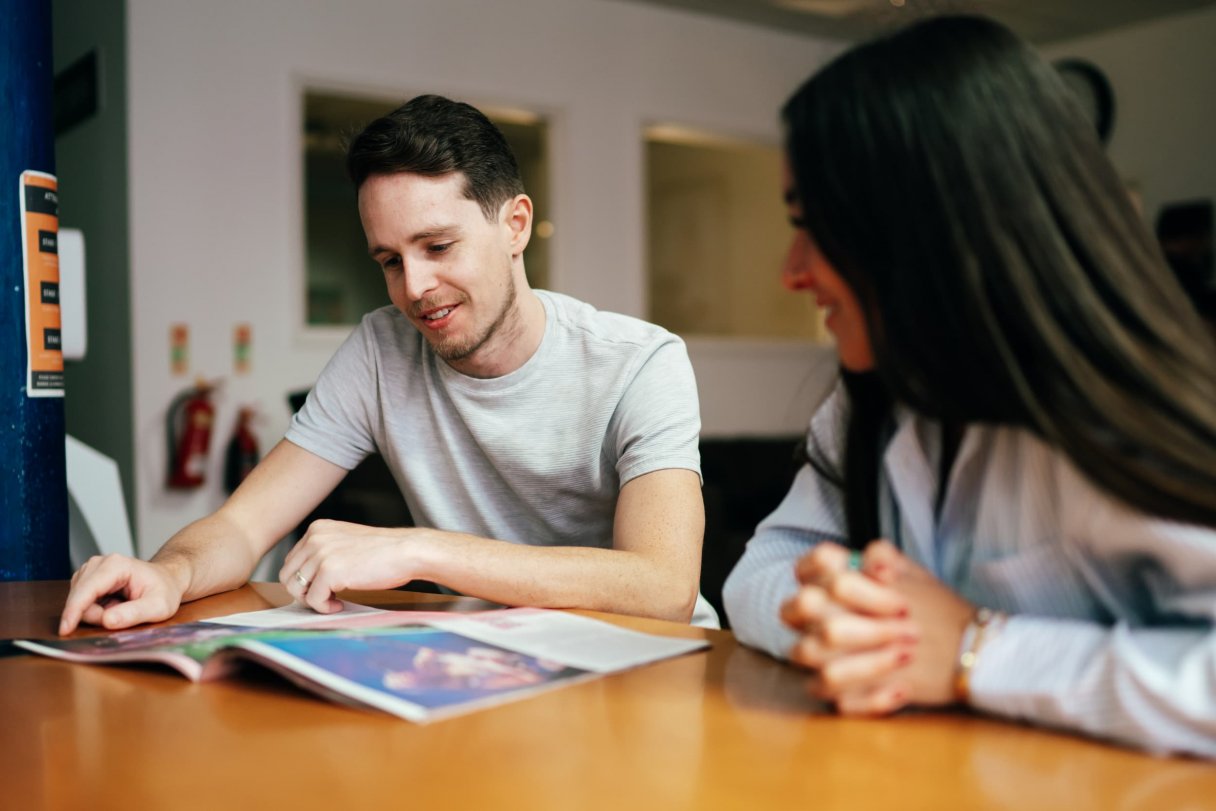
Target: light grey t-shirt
536	456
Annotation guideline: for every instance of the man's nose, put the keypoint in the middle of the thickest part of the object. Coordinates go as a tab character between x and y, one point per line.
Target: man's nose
796	273
417	280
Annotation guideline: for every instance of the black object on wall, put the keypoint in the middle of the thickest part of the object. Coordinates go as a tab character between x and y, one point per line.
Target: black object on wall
1092	91
77	93
1185	232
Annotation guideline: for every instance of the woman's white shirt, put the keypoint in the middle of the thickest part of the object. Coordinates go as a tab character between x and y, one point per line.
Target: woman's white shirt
1112	611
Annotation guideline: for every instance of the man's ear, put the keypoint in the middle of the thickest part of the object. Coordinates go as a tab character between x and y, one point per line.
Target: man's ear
517	218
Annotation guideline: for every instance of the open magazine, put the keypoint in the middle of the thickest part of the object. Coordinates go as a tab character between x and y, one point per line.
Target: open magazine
440	664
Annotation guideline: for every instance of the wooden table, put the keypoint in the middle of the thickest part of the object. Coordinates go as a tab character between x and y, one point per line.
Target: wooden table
727	729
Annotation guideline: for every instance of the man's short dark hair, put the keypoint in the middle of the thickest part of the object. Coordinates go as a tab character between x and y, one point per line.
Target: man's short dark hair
434	136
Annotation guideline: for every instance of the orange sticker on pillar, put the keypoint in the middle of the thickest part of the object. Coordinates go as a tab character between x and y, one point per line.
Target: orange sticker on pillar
242	348
179	349
40	252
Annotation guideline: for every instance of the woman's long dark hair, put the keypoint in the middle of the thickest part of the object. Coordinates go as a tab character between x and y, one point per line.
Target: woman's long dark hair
952	181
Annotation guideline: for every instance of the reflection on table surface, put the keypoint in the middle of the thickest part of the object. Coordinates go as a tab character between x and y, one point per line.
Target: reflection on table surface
729	728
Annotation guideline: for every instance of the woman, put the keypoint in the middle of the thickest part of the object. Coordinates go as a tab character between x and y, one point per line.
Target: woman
1027	413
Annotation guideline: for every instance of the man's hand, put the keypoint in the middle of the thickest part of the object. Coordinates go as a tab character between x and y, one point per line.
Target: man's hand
212	554
116	591
336	555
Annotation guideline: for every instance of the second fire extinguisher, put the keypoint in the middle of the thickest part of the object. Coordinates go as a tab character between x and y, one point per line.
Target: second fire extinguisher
189	424
242	454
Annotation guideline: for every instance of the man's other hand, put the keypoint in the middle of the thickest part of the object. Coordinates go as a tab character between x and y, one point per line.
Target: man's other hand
336	555
116	591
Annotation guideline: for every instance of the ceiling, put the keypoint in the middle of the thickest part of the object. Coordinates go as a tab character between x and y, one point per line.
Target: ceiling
1040	21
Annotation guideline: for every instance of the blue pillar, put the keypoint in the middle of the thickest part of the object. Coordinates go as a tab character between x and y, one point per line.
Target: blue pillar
33	489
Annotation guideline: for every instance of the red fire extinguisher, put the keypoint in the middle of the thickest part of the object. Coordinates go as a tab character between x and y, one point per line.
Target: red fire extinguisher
190	419
242	454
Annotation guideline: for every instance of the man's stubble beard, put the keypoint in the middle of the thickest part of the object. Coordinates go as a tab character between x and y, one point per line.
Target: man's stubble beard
455	352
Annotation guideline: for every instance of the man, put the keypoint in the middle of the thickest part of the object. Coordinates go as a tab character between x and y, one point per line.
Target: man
547	451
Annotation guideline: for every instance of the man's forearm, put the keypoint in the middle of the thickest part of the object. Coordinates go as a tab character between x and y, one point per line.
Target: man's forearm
206	557
613	580
652	569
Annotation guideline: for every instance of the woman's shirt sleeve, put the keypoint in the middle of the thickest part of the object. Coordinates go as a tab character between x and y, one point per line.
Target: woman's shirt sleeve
812	511
1148	679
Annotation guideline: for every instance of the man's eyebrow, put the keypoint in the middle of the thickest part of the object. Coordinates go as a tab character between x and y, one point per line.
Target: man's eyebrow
436	232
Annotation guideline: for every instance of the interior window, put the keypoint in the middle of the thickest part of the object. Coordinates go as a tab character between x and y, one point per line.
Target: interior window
717	235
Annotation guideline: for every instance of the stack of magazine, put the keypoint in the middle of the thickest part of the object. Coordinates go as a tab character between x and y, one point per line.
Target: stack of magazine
418	665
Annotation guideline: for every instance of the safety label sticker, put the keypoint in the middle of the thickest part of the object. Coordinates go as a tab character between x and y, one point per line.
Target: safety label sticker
40	256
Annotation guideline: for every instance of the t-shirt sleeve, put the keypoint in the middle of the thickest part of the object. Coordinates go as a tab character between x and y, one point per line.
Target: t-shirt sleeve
336	420
657	423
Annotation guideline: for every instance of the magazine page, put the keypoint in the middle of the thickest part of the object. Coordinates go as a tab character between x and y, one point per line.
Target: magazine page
298	615
352	615
186	647
577	641
419	674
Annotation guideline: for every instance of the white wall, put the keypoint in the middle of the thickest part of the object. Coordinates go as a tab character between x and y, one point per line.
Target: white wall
1164	78
216	220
